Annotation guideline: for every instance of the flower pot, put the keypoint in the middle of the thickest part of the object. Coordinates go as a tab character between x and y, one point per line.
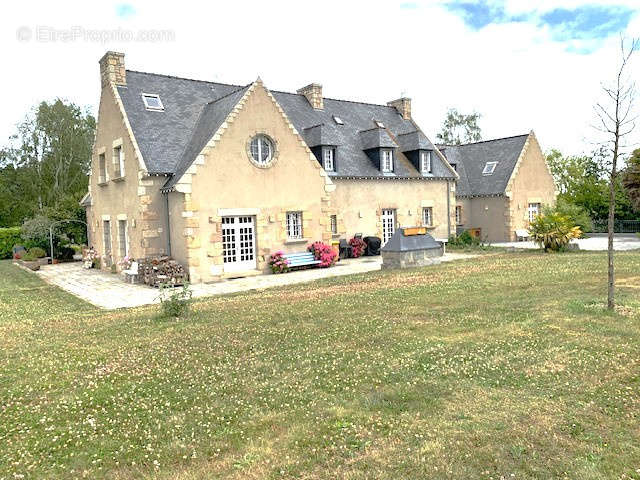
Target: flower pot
55	261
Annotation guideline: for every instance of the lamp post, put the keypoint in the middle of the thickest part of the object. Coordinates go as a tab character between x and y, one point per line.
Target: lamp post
51	231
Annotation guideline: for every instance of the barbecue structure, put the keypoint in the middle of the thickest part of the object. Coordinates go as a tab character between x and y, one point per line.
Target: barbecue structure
411	247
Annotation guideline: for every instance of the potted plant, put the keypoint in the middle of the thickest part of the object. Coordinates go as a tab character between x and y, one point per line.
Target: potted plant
278	263
40	255
30	261
323	252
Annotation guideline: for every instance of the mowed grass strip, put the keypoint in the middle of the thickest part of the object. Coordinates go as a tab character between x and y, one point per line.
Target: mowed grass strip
504	366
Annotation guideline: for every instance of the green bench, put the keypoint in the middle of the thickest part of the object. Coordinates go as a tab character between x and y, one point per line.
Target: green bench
301	259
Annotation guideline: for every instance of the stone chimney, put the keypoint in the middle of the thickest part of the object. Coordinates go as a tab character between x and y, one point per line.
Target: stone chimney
112	69
313	92
403	106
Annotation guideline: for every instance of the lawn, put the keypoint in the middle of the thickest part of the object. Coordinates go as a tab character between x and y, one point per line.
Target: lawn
504	366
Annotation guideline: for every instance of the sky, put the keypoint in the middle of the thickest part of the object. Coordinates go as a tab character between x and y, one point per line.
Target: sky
523	65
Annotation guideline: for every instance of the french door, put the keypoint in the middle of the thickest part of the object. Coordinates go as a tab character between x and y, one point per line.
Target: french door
388	224
238	244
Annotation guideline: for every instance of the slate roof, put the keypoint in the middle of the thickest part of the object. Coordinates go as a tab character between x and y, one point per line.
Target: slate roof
171	139
471	158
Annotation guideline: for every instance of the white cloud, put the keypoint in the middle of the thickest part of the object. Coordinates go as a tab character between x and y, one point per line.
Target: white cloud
371	51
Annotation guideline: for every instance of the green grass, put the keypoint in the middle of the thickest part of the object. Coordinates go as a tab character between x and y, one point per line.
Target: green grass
504	366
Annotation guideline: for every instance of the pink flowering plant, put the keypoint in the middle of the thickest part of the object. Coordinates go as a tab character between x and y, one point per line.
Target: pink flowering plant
357	247
324	253
125	263
278	263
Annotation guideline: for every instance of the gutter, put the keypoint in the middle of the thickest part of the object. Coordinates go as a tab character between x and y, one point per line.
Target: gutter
166	197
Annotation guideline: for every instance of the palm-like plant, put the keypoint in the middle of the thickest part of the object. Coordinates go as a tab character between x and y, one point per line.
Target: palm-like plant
553	231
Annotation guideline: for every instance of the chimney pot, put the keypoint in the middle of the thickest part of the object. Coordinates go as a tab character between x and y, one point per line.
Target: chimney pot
112	69
313	92
403	106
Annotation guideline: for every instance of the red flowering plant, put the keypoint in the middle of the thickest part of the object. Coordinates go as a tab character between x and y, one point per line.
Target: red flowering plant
357	247
323	252
278	263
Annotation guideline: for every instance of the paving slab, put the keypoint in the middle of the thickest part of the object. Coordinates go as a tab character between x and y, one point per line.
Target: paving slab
109	291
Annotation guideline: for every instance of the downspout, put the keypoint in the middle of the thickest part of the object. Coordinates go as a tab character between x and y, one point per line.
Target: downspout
448	210
166	198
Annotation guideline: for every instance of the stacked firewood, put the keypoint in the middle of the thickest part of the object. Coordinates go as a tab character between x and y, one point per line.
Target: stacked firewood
155	271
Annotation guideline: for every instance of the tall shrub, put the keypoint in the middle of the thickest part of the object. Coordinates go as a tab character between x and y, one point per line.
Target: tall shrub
8	238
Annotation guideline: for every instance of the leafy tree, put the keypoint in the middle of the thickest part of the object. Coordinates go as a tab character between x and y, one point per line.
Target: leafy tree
459	128
631	178
575	213
44	169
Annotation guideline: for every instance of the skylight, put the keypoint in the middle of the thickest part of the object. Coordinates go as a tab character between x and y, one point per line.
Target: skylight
489	168
152	102
379	124
338	120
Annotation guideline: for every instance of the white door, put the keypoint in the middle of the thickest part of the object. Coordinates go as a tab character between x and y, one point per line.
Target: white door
388	224
238	244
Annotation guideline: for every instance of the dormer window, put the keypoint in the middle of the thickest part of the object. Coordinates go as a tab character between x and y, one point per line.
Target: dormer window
425	162
489	168
328	159
152	102
338	120
386	162
379	124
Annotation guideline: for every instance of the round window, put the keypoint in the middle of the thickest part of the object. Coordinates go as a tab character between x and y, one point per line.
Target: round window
261	149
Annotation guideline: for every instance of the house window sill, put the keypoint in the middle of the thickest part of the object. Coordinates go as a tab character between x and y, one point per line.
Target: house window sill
118	179
103	183
293	241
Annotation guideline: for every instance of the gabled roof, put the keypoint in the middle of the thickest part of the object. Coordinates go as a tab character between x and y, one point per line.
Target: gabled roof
170	140
471	158
163	136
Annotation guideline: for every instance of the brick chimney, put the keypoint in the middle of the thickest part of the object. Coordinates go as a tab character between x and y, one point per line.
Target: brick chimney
313	92
403	106
112	69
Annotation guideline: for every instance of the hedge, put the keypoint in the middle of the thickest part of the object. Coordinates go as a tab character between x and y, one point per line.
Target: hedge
8	238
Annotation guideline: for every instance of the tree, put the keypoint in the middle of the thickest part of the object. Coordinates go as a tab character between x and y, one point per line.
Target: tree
44	170
631	178
459	128
616	122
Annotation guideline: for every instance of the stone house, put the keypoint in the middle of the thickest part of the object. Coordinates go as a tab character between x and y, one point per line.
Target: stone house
220	176
503	184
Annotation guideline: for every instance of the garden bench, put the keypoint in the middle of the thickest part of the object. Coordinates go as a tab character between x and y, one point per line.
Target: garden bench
522	233
131	275
301	259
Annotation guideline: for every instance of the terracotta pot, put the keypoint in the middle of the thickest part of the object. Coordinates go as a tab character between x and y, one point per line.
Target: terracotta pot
55	261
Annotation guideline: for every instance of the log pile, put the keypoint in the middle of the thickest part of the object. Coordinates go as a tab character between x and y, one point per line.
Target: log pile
155	271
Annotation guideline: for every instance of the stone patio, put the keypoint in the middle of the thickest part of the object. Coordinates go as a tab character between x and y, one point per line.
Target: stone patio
109	291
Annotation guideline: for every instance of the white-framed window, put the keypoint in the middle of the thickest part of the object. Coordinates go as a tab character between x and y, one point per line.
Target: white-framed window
338	120
261	149
489	168
102	168
328	159
123	240
294	225
118	160
425	161
533	211
378	123
427	216
106	226
386	163
333	219
458	215
152	102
